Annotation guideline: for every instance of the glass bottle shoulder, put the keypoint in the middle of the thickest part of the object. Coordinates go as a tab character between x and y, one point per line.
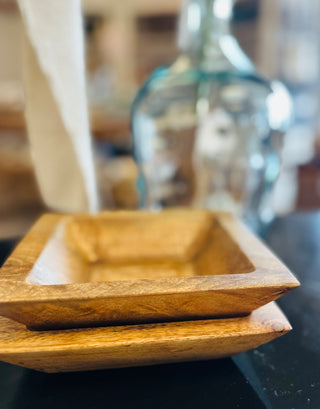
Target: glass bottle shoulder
184	79
183	72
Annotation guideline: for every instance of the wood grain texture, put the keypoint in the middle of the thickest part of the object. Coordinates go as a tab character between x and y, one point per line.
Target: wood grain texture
136	345
48	284
139	237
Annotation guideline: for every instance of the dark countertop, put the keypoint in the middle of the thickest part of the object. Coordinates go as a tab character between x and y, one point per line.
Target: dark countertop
284	374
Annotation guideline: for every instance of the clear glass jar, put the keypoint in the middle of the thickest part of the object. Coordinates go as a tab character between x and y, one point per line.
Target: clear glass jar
206	130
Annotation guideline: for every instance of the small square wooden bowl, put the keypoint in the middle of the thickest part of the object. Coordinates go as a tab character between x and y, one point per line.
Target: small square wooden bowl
136	345
138	267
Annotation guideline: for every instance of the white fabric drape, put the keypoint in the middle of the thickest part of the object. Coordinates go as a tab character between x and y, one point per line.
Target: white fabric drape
56	106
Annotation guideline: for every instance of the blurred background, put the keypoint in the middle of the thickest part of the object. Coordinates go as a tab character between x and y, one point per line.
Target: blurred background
125	42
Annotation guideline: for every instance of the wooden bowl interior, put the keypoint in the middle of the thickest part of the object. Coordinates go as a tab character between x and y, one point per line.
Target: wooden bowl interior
214	252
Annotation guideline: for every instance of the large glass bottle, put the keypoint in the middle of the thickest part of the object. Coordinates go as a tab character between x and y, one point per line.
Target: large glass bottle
205	129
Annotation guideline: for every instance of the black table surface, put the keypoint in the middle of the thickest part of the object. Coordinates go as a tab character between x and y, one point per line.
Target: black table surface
284	374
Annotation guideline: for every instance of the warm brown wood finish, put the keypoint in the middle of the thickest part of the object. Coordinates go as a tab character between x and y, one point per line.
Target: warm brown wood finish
135	345
60	276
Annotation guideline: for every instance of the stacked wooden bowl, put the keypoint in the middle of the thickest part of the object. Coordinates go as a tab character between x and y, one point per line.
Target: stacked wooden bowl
135	288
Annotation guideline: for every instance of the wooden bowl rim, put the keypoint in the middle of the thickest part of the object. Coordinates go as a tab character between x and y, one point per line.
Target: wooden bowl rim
269	271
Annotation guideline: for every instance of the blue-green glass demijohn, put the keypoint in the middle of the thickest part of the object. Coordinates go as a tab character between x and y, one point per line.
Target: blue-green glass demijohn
207	130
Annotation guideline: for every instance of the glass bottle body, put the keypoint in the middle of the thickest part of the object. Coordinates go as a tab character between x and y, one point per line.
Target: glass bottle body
203	134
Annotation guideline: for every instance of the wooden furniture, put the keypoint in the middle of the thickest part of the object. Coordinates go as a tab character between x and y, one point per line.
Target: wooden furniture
178	265
118	37
100	348
104	127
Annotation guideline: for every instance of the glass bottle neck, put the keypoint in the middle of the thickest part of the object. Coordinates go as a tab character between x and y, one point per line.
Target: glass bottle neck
219	14
205	37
